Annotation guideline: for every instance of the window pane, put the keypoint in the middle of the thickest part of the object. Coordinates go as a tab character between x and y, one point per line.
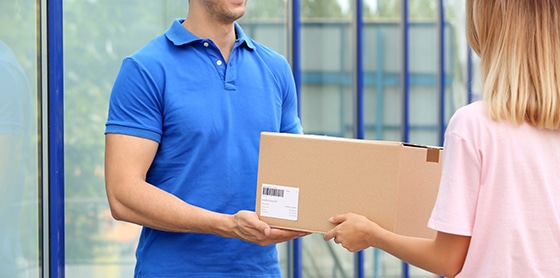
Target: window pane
326	107
265	22
97	36
326	64
20	249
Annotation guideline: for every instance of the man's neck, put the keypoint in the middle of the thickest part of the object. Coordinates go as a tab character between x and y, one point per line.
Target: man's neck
222	34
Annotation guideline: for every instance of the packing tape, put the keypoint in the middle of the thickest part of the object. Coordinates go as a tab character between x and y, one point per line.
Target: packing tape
432	155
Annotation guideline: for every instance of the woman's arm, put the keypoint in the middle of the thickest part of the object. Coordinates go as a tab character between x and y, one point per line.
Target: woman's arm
444	255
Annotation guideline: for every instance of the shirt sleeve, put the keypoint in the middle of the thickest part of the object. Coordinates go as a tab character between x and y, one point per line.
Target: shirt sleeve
456	203
290	119
135	105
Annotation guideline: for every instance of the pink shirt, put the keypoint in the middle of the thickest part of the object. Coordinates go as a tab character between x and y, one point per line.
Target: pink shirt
501	186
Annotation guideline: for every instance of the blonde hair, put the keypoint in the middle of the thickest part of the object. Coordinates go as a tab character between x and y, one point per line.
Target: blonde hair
518	42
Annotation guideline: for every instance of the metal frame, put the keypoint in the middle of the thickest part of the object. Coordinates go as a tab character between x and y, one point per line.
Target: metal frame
470	93
358	69
442	78
44	142
358	98
294	27
405	72
54	115
405	75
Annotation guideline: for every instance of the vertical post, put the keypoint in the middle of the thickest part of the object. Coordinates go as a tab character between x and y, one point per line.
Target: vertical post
470	96
44	142
55	112
358	92
405	76
380	86
358	72
294	29
294	44
442	79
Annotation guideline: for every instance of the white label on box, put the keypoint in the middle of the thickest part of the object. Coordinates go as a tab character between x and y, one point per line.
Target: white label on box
279	202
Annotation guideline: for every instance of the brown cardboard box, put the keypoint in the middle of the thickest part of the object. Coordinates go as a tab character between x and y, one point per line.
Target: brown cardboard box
305	179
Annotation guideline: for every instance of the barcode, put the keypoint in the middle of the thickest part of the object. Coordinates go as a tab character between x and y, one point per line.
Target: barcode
273	192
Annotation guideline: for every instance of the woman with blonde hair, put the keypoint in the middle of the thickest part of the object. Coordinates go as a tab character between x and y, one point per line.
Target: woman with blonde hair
497	213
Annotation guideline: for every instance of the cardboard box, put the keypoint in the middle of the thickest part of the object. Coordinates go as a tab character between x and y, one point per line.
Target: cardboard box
305	179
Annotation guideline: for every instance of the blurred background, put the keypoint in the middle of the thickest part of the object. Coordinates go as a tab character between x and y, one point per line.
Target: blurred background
368	69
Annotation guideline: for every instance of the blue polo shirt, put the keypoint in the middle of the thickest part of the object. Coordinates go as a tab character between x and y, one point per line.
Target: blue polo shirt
207	116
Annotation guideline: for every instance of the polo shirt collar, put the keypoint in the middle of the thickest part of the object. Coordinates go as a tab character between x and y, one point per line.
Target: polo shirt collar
179	35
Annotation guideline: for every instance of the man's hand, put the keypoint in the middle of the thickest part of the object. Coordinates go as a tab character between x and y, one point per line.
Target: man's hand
249	227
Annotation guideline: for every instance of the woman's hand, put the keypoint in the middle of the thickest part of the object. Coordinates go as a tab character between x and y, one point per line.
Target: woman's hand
354	232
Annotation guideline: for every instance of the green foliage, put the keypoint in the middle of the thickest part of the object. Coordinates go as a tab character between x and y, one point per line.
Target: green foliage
418	9
321	9
382	9
265	10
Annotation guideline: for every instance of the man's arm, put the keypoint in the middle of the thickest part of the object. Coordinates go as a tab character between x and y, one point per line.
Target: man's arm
132	199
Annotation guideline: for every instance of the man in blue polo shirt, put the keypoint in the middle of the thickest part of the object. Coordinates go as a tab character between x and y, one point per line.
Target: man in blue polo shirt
182	140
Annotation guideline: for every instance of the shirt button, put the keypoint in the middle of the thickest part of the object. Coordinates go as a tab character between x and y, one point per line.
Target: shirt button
206	44
219	62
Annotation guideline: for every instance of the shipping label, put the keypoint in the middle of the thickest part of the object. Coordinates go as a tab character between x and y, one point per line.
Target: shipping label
279	201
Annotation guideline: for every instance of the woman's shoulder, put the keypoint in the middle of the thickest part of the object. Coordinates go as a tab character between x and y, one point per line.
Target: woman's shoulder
471	113
476	107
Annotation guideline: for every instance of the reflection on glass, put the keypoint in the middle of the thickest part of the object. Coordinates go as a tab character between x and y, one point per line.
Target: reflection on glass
97	245
20	252
15	115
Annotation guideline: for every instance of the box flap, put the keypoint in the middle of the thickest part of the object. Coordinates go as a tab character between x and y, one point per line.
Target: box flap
419	183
